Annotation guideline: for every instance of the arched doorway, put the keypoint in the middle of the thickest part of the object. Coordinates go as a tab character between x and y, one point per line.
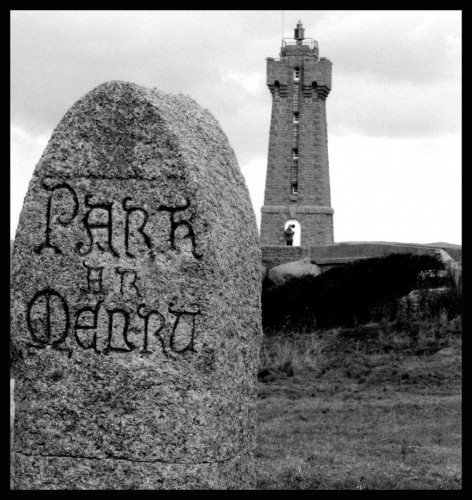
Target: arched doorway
298	231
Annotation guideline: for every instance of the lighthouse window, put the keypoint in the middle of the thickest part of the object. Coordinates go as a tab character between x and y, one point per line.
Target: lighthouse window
294	188
295	118
295	154
276	90
296	74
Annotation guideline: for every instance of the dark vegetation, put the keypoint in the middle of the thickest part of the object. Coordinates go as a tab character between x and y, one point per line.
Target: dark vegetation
351	294
355	391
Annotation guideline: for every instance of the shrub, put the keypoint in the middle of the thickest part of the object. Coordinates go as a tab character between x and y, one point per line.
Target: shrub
346	295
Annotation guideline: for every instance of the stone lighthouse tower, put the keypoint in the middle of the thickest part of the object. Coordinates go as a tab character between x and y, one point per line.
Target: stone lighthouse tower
297	189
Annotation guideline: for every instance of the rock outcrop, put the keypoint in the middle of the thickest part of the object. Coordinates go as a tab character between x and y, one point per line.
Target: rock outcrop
296	269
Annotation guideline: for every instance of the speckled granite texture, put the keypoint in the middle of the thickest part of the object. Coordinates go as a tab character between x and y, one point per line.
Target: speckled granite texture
136	302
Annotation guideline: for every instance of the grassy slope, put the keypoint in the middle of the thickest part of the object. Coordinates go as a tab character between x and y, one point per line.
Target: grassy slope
365	408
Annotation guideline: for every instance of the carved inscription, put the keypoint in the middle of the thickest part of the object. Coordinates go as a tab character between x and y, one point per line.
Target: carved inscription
174	225
98	223
94	278
48	318
151	316
98	218
128	286
130	211
115	334
86	319
48	321
126	326
60	220
183	331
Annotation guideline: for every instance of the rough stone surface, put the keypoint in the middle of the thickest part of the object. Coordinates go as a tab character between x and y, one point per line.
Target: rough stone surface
12	422
411	303
285	272
12	393
263	272
135	301
454	268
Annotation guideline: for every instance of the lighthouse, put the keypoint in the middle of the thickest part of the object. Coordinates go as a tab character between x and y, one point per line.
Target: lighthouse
297	189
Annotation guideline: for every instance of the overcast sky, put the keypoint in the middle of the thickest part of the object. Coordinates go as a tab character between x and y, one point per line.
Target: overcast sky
394	112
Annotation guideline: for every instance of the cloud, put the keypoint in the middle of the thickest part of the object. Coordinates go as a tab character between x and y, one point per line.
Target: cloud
384	62
406	187
408	46
255	173
396	94
25	151
251	83
360	105
58	56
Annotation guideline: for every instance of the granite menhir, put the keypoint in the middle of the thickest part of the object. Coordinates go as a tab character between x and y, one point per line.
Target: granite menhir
136	302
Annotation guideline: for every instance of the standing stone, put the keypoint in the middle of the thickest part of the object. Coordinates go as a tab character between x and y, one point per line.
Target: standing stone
136	302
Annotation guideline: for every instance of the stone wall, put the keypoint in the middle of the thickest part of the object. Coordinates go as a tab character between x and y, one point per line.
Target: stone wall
273	255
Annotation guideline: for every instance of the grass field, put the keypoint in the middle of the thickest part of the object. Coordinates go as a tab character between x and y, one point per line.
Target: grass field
372	407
